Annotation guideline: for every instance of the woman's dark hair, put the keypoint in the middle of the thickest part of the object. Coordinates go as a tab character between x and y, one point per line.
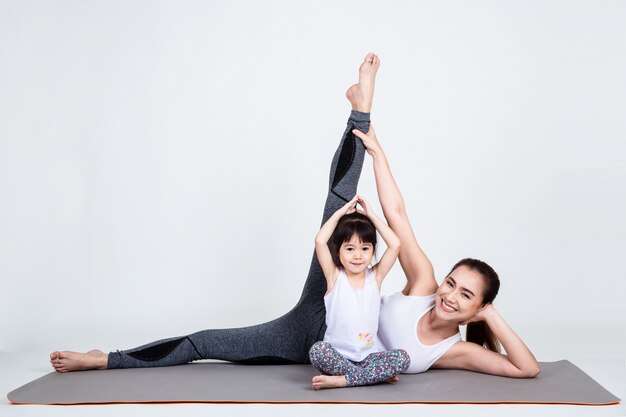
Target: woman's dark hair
349	225
478	332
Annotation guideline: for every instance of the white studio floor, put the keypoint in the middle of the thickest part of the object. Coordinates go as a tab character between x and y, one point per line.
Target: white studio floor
606	365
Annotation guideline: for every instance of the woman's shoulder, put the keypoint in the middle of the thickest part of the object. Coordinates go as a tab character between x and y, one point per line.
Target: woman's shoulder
411	295
401	298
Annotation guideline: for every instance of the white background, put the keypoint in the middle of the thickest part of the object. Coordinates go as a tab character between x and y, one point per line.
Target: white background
163	165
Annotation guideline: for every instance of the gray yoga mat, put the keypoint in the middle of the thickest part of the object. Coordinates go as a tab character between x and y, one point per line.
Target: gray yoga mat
559	383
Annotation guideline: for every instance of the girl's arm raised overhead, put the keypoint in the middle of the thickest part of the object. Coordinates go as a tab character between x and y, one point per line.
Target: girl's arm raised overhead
393	242
519	362
321	243
416	265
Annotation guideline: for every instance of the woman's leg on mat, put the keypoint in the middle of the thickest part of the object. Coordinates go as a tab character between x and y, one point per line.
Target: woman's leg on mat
283	340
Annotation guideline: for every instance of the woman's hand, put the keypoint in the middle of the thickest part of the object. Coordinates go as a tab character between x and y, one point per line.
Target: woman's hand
369	139
481	315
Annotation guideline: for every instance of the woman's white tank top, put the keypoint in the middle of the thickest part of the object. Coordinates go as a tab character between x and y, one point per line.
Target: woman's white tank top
352	317
399	316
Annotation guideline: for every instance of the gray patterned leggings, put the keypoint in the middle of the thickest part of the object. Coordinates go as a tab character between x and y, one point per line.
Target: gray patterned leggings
286	339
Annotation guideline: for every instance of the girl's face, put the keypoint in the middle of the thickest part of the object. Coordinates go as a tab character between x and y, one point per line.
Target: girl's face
355	255
460	295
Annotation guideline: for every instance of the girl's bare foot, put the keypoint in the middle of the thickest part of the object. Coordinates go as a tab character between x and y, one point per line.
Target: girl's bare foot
361	95
73	361
327	381
393	380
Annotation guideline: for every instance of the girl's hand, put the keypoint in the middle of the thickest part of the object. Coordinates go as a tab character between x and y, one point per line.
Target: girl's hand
481	315
367	211
348	208
369	140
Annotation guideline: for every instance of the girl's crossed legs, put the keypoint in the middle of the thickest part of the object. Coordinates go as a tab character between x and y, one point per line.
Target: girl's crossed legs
376	367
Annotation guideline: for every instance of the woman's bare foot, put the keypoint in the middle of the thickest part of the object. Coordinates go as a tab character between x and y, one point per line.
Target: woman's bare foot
73	361
327	381
361	95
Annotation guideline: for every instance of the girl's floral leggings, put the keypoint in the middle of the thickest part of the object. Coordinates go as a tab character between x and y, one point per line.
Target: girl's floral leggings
376	367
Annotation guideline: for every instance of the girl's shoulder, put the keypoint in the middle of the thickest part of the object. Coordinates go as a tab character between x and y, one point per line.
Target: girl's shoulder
334	282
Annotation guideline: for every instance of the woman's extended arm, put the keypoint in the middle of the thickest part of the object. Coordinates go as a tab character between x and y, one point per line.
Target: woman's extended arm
416	265
519	362
393	242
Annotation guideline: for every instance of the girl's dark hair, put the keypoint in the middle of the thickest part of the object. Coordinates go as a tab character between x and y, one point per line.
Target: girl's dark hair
349	225
479	332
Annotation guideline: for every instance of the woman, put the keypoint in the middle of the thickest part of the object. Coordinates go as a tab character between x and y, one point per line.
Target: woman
424	318
289	338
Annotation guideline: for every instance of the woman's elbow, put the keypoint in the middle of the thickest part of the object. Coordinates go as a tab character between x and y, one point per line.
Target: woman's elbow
535	372
531	372
396	213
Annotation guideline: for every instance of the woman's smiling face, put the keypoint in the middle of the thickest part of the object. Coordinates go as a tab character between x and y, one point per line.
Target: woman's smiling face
460	295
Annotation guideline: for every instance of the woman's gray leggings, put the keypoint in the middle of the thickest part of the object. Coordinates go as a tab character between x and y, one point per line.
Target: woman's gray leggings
286	339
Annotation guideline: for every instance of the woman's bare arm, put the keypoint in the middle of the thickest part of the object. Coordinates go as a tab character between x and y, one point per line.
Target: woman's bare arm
519	362
416	265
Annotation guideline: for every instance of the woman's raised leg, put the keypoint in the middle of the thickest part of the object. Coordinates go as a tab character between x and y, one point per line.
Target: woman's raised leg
286	339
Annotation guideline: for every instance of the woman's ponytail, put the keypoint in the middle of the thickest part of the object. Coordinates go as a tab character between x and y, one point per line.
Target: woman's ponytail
479	332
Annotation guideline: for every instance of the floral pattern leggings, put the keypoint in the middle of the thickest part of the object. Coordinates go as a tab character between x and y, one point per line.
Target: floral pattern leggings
375	368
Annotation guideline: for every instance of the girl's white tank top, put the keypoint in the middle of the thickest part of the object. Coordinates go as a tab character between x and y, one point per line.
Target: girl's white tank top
352	317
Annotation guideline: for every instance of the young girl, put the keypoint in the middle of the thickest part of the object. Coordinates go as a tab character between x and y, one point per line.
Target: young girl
349	355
